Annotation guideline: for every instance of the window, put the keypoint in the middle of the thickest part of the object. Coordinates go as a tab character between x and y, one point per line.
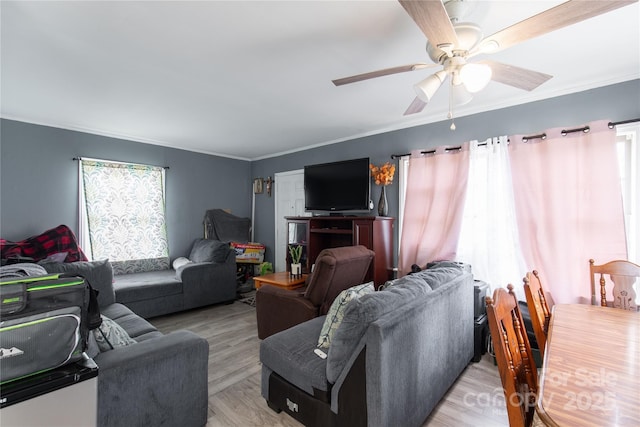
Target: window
403	174
629	160
122	215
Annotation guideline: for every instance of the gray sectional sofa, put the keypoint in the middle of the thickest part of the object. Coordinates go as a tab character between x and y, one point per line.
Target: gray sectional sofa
160	380
209	278
392	358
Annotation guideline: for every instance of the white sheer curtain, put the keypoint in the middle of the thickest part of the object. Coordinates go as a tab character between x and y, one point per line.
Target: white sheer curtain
489	237
628	153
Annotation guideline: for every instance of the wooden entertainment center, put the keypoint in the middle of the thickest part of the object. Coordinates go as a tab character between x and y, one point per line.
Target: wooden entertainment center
320	232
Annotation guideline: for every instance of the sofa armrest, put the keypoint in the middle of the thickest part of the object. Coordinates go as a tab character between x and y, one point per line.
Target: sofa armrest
159	381
205	283
278	309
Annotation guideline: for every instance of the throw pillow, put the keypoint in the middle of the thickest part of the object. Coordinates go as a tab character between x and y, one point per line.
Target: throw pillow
205	250
336	312
179	262
110	335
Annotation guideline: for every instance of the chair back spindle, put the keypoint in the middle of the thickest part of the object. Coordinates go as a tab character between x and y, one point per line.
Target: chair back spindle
513	356
623	275
538	308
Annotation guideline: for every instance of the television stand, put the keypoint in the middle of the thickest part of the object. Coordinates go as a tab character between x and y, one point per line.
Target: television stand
317	233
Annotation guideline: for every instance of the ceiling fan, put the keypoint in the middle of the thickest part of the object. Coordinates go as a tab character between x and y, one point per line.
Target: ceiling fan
452	43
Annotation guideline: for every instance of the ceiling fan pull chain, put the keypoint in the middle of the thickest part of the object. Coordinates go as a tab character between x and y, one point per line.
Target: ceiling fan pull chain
450	115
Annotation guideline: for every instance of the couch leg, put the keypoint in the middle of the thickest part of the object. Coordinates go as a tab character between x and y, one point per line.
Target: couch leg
274	407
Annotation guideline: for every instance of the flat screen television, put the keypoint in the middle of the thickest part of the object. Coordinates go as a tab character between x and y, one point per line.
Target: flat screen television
338	187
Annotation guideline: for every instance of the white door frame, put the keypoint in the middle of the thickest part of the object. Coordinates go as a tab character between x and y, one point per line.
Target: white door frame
279	217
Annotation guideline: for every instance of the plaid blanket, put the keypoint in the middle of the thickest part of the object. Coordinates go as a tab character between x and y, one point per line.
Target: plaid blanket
55	241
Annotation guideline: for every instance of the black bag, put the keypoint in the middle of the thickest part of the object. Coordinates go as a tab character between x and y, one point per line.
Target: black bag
44	323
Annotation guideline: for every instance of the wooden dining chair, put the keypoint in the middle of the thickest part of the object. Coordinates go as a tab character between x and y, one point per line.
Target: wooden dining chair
538	308
514	357
622	275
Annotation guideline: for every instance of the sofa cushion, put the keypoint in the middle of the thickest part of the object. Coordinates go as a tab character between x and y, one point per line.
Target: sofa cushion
144	286
137	327
206	250
336	312
290	354
98	273
440	274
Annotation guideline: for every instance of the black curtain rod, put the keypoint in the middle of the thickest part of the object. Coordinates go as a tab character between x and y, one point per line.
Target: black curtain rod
539	136
623	122
584	129
117	161
395	156
482	144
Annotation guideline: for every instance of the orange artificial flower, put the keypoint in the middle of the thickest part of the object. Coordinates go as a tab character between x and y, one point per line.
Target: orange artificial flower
383	175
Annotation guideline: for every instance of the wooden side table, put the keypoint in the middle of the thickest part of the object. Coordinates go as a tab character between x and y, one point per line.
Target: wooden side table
282	280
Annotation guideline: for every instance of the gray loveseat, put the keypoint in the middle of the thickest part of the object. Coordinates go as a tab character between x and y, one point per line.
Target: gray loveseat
161	380
209	278
392	358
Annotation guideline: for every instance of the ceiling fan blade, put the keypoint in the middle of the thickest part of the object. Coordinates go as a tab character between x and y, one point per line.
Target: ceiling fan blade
511	75
380	73
565	14
432	18
416	106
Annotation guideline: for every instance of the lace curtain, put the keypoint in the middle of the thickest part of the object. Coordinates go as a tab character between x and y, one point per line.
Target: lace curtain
123	215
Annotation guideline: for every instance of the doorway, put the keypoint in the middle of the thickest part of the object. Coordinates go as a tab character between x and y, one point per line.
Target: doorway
289	201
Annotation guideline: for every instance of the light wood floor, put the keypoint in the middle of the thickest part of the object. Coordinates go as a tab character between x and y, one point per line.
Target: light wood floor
475	399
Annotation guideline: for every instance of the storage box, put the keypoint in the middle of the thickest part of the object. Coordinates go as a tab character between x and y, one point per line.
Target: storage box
249	252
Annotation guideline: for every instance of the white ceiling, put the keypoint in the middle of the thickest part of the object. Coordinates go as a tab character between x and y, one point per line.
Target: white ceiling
251	80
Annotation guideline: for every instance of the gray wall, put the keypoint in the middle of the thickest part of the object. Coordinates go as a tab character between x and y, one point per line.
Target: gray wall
39	181
616	102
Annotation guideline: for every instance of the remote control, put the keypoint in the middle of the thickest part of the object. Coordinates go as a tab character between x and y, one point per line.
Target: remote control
321	354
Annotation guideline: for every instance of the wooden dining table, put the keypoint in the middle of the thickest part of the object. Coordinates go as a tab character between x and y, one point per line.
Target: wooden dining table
591	369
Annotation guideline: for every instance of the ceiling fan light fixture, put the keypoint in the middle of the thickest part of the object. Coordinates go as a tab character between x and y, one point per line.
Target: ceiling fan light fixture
429	86
461	95
475	76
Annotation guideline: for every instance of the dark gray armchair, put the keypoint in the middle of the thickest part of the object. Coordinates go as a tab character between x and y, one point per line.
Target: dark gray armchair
335	270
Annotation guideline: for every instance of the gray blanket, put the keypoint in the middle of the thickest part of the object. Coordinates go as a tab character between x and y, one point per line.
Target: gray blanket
15	271
223	226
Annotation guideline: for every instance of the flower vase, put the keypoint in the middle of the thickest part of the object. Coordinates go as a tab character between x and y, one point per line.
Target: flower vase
383	206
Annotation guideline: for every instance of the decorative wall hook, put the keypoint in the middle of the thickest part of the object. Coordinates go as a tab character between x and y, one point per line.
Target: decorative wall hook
269	185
